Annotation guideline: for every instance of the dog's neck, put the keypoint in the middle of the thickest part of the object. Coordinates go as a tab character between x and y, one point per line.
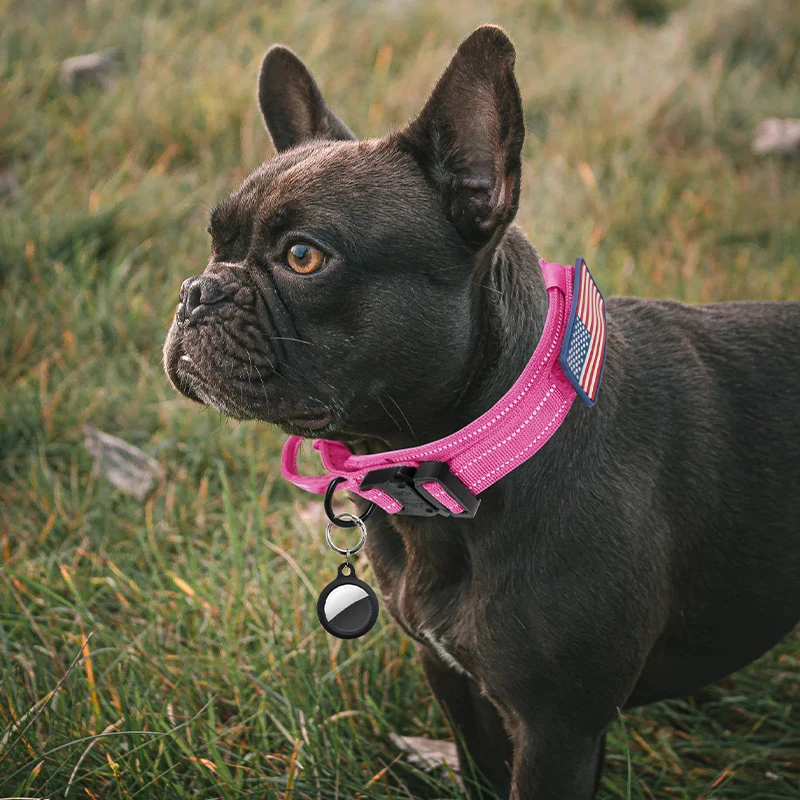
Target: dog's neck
509	292
508	307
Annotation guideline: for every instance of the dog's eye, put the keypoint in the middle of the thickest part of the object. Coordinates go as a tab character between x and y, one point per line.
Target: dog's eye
304	258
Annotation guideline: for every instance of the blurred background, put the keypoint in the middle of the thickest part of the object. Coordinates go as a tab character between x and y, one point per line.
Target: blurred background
158	635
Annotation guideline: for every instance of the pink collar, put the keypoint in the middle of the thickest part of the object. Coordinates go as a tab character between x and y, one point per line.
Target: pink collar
445	476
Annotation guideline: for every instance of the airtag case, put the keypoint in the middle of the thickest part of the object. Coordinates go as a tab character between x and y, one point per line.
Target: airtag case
347	607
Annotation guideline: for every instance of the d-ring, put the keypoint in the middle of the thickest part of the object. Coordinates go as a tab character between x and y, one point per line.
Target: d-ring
354	520
342	521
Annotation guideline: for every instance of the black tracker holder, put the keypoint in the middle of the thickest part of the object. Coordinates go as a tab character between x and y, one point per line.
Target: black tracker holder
406	485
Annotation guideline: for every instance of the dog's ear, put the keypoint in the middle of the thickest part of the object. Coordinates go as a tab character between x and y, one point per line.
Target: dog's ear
291	103
468	137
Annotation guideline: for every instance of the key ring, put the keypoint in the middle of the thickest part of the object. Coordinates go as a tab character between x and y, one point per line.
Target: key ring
341	521
353	520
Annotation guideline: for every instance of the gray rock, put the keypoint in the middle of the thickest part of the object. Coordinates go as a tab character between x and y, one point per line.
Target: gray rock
92	69
427	754
777	136
8	184
125	466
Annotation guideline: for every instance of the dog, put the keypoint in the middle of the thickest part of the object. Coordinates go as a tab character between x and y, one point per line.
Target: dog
378	293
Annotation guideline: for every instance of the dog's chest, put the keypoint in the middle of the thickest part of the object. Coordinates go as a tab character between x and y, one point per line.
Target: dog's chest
439	645
434	631
426	595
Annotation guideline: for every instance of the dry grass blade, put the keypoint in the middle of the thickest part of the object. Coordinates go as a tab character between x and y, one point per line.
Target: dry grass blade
108	729
32	713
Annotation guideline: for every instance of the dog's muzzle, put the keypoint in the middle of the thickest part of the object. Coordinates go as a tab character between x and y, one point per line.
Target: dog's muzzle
219	350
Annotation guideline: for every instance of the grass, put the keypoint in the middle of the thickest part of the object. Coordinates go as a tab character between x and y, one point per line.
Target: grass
170	649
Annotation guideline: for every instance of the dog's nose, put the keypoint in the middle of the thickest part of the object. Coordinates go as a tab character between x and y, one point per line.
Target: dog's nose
203	290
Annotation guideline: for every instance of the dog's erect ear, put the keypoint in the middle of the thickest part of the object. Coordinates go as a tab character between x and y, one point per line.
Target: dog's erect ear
468	137
291	103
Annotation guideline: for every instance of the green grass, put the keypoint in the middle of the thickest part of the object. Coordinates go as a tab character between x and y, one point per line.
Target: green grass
206	674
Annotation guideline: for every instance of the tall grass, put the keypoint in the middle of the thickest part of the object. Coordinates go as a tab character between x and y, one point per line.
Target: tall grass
170	649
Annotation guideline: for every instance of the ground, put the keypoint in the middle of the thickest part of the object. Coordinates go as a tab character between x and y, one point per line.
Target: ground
169	648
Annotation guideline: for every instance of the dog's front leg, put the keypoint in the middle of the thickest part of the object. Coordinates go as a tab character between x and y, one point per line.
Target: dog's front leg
477	723
555	760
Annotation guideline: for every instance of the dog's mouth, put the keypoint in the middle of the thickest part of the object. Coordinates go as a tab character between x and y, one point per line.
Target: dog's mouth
185	379
316	420
244	399
191	382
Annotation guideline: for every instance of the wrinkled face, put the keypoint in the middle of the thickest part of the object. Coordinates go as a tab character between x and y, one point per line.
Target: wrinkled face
335	300
338	300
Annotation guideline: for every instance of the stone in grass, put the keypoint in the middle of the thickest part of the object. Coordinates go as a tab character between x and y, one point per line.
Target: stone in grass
8	184
92	69
125	466
427	754
775	135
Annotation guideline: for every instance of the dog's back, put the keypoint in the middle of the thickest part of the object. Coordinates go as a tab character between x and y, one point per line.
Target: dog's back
713	389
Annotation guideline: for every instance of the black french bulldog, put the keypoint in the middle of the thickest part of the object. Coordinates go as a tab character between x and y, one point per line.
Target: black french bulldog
377	292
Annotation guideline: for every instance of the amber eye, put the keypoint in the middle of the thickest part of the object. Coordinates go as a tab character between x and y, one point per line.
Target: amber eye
304	259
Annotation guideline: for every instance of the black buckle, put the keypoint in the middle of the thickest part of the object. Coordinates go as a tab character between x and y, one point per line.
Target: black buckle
405	484
438	472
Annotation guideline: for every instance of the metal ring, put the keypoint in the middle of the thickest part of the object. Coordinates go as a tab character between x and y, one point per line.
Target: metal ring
354	520
341	521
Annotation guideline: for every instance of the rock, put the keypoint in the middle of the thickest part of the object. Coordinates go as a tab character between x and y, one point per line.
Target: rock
427	754
8	184
92	69
777	136
126	466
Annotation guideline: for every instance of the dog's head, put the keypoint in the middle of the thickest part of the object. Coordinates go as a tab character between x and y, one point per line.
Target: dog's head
337	300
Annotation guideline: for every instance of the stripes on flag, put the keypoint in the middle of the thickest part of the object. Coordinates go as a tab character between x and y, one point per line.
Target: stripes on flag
584	350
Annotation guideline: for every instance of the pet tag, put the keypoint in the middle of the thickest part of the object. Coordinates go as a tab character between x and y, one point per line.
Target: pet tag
347	607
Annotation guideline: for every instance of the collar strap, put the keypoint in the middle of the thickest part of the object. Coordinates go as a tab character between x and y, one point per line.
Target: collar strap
446	476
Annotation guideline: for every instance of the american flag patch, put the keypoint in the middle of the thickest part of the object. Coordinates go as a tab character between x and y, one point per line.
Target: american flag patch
584	350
